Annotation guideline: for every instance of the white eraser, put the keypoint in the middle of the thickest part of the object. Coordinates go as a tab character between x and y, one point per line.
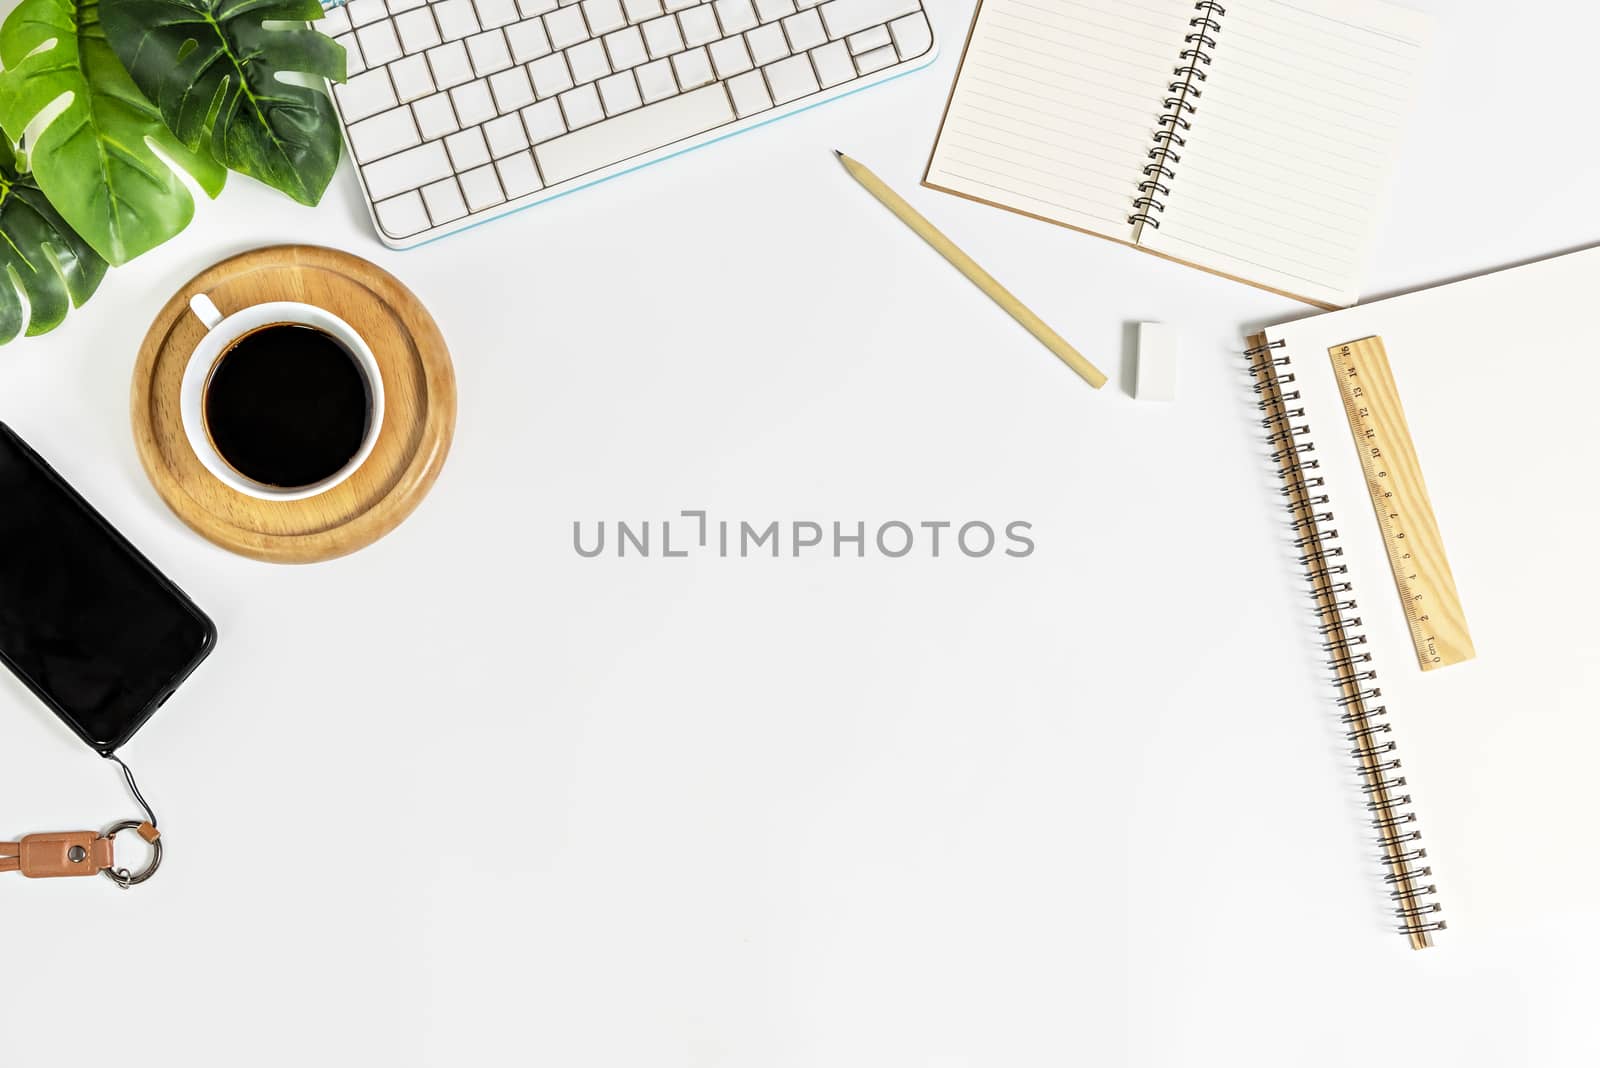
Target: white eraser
1155	377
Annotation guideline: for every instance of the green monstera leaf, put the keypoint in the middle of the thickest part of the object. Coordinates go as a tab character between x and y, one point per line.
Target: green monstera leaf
39	255
212	68
91	151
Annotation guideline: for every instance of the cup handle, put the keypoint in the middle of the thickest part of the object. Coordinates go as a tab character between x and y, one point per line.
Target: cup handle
205	311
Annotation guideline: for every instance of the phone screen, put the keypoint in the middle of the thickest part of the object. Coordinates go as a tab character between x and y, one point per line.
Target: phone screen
86	622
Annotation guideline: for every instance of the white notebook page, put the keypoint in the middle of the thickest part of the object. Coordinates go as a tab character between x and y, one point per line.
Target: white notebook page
1499	379
1303	110
1055	106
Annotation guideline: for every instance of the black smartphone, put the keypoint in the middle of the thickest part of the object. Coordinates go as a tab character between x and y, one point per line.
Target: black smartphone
86	622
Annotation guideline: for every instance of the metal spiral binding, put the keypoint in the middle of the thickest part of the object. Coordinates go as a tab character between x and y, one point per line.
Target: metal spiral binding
1188	76
1316	542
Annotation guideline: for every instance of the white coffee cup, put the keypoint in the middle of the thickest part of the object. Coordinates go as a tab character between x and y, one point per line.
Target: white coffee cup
221	334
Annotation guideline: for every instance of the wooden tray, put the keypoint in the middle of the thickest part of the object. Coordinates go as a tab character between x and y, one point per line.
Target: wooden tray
419	398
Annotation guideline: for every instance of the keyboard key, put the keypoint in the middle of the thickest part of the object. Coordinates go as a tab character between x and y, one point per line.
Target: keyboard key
833	64
435	116
402	216
505	135
406	170
543	121
489	52
533	8
492	13
844	17
692	68
641	10
365	94
790	79
768	45
511	90
619	93
867	40
730	57
482	188
334	21
518	175
805	31
656	81
444	201
456	19
352	55
638	131
581	106
626	48
736	16
362	12
473	103
877	59
566	27
397	7
699	25
550	75
450	64
467	149
528	40
912	37
411	77
773	10
678	5
383	135
662	37
749	92
379	45
603	16
417	29
588	61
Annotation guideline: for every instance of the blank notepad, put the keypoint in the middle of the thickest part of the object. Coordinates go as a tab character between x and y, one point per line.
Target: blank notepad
1253	138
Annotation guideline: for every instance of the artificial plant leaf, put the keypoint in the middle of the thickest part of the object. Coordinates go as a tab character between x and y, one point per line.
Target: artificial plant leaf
93	158
212	68
40	255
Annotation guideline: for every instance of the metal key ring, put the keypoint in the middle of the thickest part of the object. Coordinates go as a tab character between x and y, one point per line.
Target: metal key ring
121	876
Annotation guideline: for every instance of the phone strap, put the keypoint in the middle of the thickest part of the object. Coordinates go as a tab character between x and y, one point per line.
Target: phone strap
64	854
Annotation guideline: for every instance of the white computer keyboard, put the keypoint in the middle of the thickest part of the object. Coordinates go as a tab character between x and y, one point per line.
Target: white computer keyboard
457	111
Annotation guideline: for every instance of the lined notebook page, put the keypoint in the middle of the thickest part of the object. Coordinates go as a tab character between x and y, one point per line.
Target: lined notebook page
1283	177
1055	104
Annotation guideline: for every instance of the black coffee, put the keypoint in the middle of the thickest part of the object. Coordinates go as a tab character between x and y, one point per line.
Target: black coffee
287	406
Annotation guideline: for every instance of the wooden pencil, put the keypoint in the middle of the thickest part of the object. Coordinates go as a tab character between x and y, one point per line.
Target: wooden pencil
975	274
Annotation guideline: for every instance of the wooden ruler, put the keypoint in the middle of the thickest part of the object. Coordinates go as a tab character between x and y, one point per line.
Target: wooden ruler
1400	499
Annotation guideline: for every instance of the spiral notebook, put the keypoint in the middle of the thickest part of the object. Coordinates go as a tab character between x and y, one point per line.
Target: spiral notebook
1499	377
1253	139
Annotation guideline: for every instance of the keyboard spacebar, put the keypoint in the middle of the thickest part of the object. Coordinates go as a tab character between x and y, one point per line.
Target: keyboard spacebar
652	126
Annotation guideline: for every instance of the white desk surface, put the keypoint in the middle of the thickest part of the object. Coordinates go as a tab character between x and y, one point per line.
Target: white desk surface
466	795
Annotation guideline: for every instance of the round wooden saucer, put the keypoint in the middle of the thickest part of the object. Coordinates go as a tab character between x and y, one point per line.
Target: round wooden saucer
419	397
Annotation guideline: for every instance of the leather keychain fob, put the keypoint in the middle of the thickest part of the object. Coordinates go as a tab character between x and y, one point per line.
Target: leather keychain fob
69	853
